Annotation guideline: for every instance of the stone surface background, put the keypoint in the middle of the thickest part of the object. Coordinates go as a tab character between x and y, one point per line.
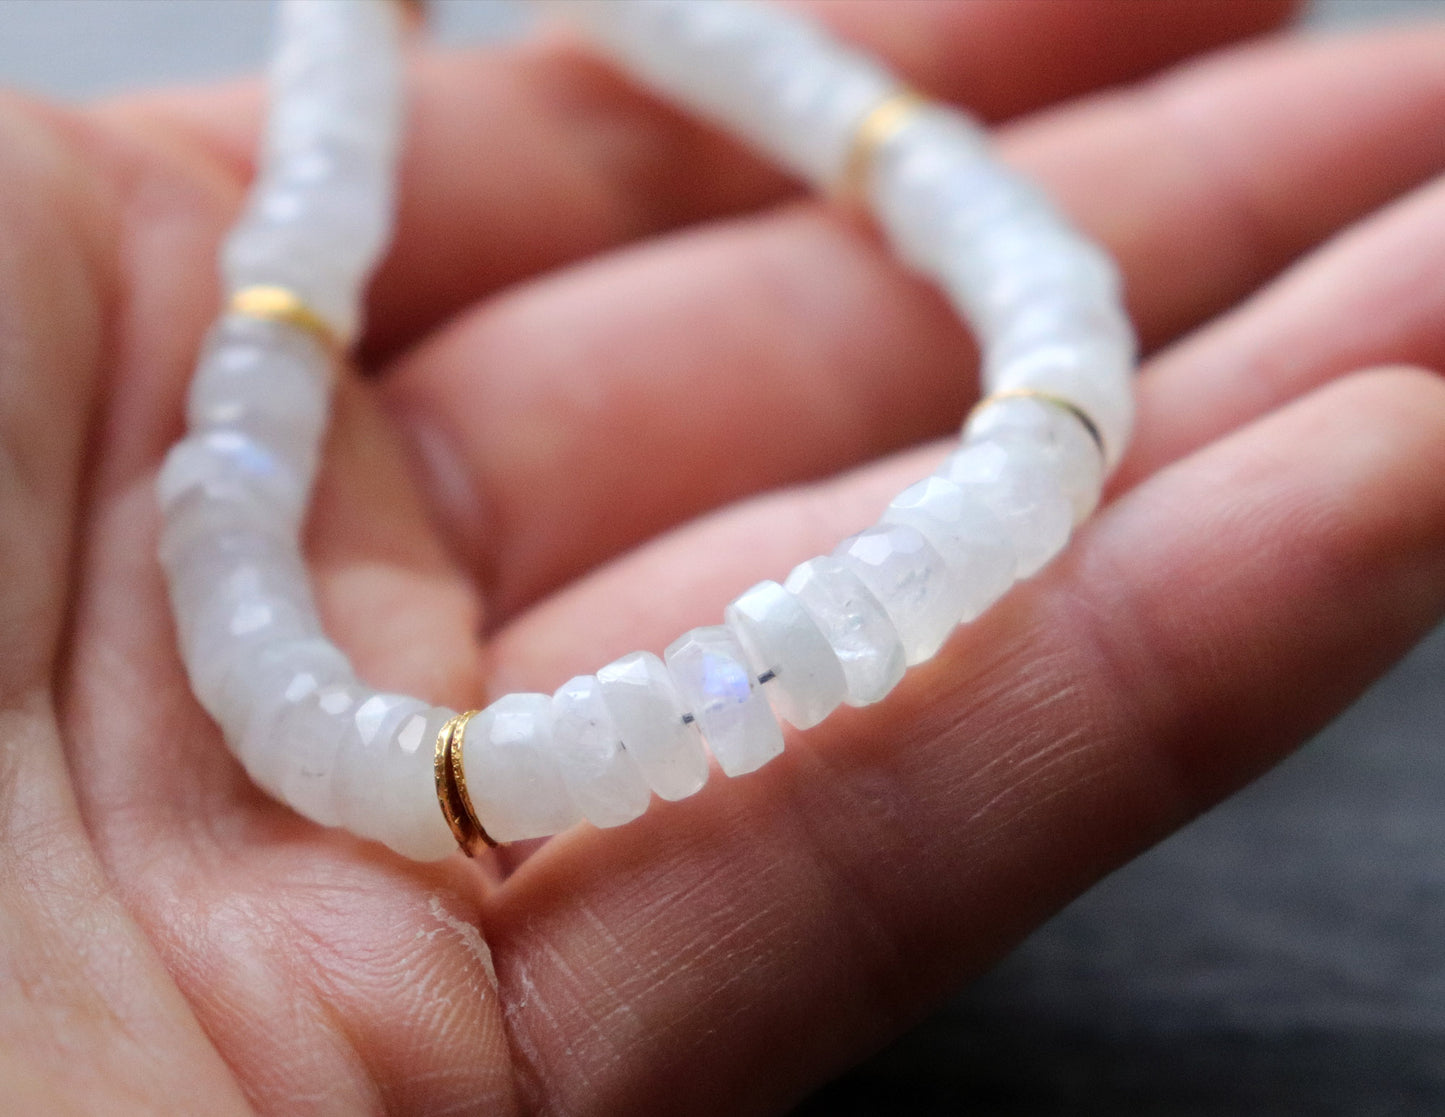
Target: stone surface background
1283	955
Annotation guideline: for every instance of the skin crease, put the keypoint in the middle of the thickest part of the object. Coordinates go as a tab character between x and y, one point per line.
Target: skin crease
171	940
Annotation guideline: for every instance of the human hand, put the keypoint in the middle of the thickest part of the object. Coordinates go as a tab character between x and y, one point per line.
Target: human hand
174	939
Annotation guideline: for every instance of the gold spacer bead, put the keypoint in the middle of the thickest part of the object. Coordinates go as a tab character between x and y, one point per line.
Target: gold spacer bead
281	304
451	785
880	124
1043	396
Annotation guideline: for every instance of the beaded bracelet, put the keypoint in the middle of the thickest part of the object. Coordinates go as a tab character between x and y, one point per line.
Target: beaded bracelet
1058	353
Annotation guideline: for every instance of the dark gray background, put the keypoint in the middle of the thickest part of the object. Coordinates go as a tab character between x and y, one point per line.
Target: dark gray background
1283	955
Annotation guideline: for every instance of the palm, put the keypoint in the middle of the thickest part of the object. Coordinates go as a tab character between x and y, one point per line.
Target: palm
722	953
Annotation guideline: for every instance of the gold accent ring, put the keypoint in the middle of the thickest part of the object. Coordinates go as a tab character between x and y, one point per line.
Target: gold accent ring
1063	403
451	785
281	304
879	124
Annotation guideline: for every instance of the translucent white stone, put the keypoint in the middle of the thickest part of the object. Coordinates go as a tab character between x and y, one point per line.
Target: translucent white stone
275	680
1065	442
240	616
921	595
759	70
196	563
971	539
212	510
415	827
332	131
1095	379
266	380
362	761
856	625
255	679
785	647
385	780
1011	265
1020	487
600	774
228	458
513	776
712	675
408	818
936	189
1076	319
657	729
294	751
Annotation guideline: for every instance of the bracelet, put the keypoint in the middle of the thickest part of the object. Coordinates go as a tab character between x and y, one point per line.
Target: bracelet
1044	303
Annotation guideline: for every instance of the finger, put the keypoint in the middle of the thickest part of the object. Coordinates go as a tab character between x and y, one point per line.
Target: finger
757	937
562	422
1375	295
525	158
86	1009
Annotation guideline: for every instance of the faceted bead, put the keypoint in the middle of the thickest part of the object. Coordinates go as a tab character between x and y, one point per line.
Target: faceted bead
267	380
910	579
1096	378
971	539
203	513
759	70
1067	446
1019	487
855	624
513	777
600	774
228	606
385	782
935	189
303	731
256	679
227	457
801	675
362	761
1013	264
413	824
712	675
1077	319
656	728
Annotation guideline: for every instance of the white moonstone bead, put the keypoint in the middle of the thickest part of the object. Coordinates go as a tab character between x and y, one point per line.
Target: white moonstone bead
362	759
785	647
249	693
1018	485
712	675
207	512
910	579
1015	264
971	539
332	134
936	189
600	774
1077	319
513	776
856	625
266	380
1096	379
656	727
764	73
294	751
1067	446
230	459
401	805
229	608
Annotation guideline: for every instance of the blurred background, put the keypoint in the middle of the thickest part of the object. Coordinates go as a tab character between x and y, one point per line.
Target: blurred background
1283	955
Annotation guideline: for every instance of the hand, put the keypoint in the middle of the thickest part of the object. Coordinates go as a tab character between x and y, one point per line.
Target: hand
589	442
